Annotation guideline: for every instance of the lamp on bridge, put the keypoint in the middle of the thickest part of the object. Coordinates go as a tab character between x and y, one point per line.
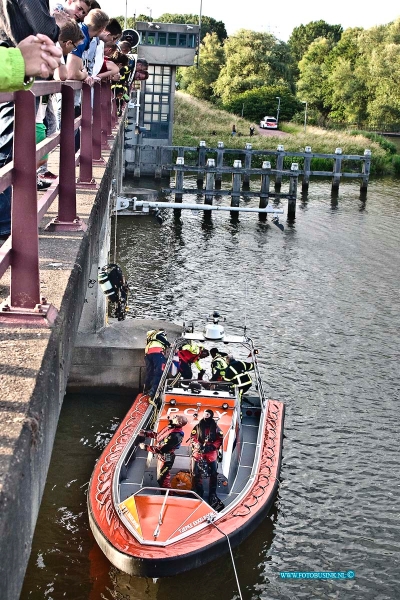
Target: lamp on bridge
305	114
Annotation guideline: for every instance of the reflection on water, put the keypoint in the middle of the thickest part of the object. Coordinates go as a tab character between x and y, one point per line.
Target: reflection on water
321	301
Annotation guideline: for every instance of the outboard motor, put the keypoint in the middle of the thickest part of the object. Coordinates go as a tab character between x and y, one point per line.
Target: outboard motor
114	286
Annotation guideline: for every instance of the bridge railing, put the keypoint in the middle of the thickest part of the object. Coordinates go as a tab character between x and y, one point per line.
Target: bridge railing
20	251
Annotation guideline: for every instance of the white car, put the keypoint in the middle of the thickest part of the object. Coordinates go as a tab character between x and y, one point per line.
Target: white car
269	123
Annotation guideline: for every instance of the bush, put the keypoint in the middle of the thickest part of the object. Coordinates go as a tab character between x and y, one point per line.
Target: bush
396	164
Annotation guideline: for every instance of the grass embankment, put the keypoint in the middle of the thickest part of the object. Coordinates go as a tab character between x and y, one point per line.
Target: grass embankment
197	120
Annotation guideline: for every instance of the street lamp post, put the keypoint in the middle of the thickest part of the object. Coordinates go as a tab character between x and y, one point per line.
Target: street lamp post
126	14
305	115
279	106
150	11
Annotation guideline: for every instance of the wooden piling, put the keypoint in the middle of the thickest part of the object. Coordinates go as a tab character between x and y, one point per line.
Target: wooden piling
337	168
236	183
179	181
138	158
366	167
279	166
220	164
247	165
210	181
294	175
158	168
201	163
264	190
307	168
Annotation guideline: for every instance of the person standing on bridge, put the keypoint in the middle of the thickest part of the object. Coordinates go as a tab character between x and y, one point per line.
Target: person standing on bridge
154	357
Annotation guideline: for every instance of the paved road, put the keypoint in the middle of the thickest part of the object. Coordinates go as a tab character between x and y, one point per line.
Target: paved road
271	132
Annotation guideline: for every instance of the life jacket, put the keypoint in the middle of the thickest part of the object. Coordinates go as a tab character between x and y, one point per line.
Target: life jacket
219	365
189	353
166	432
156	342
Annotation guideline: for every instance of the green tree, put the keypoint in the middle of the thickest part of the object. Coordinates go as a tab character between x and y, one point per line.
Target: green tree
312	85
303	35
198	81
257	103
252	59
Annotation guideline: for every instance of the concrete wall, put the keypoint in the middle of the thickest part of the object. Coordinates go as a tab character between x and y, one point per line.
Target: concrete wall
113	359
23	474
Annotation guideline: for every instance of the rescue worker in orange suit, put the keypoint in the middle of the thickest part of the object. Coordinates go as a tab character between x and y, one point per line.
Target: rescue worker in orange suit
168	440
238	373
206	439
190	354
154	358
218	364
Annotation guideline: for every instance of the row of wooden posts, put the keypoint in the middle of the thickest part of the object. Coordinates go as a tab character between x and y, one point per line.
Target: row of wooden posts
211	170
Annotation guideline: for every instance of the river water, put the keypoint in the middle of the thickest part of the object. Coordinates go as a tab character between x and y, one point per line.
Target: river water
321	301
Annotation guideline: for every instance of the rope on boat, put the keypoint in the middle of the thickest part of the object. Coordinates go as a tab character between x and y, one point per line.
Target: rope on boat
211	521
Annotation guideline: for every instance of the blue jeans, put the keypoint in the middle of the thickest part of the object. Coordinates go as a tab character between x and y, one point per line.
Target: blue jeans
6	148
155	364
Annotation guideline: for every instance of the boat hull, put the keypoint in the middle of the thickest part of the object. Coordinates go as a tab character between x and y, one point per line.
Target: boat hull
134	558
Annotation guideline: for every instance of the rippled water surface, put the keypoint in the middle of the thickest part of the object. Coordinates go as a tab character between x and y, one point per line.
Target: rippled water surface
321	301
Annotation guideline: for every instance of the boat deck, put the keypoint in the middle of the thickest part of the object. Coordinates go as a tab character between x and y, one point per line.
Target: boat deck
138	474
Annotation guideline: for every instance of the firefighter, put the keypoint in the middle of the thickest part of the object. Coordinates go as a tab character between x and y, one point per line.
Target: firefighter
168	440
238	373
206	439
189	354
218	364
154	357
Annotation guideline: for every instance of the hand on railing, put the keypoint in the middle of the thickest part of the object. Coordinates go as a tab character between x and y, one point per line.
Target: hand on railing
40	55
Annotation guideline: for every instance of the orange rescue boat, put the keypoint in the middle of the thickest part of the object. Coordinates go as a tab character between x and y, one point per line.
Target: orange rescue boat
149	531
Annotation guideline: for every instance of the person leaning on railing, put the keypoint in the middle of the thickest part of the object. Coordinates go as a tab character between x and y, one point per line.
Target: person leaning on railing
18	21
35	56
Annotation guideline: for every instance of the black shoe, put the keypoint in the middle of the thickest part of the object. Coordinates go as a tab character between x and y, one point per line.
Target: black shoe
42	185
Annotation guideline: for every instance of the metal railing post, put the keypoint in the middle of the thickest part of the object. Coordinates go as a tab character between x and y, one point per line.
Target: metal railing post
67	219
104	116
85	179
25	282
96	130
